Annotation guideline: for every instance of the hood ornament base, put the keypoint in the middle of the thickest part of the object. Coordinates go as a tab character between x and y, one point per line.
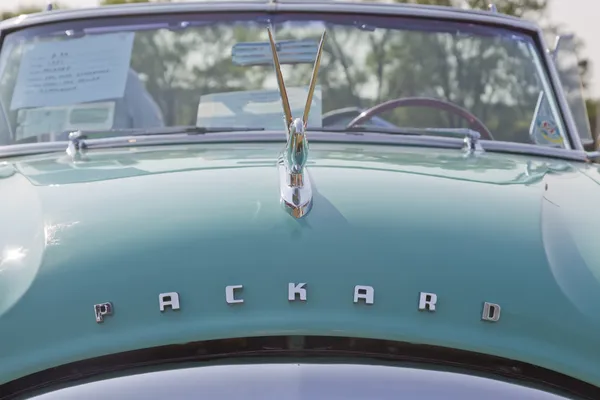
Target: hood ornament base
295	186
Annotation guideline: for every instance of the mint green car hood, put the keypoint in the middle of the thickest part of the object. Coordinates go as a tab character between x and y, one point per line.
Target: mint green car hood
129	224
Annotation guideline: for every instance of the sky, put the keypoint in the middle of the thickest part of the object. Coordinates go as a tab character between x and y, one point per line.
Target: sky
576	16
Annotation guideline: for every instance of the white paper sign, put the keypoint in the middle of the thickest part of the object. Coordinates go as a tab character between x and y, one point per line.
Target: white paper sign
257	108
65	72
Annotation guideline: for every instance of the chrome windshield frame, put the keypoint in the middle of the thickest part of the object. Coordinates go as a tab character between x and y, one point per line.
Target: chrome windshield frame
485	18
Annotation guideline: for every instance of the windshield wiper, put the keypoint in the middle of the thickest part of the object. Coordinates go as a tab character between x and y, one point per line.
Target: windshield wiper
170	130
443	132
77	138
195	130
369	129
470	137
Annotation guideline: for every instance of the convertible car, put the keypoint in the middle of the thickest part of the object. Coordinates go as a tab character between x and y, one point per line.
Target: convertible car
295	200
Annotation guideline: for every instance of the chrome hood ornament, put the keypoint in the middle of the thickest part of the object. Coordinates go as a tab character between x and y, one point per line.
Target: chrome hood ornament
295	187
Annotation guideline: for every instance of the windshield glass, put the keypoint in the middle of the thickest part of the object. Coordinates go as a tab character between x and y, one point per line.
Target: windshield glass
567	65
111	76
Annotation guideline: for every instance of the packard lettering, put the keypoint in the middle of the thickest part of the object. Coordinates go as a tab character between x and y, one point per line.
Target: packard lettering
427	301
491	312
230	294
170	299
101	310
366	293
362	295
296	289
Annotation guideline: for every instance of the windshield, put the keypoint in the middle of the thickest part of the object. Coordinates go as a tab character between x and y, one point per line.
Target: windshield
112	76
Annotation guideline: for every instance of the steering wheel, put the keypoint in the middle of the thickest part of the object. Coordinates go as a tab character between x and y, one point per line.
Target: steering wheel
474	122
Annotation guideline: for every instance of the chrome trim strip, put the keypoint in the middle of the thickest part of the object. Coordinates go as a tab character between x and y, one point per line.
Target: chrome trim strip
137	9
376	139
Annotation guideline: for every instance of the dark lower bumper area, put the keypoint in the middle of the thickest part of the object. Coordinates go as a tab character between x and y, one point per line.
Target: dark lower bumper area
297	368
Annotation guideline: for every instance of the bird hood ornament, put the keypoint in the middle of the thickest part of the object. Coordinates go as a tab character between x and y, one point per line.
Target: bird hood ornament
295	187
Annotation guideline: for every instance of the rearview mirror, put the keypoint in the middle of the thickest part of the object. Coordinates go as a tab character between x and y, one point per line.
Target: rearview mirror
289	51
